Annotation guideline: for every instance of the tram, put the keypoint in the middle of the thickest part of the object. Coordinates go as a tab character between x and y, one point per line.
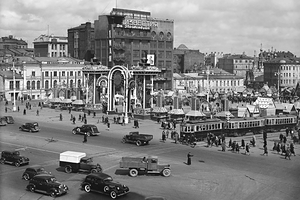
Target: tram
237	126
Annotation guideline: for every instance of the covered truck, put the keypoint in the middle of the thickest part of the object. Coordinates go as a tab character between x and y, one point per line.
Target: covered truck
146	165
73	161
137	138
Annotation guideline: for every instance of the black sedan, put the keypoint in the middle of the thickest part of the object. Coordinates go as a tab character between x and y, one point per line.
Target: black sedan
89	129
9	119
32	171
103	183
30	127
3	121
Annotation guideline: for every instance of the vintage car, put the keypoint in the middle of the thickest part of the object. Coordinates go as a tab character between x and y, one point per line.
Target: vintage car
3	121
32	171
137	138
30	127
9	119
103	183
47	184
13	157
89	129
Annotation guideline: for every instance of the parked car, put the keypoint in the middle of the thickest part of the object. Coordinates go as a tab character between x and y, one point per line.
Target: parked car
3	121
32	171
103	183
30	127
73	161
137	138
13	157
89	129
9	119
47	184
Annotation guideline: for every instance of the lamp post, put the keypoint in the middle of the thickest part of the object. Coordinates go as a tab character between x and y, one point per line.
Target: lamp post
278	74
207	98
127	74
14	86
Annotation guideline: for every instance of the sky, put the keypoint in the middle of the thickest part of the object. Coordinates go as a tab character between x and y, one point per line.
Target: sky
228	26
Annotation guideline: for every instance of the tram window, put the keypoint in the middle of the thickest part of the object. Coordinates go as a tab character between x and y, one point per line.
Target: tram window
213	126
250	124
236	125
197	128
185	129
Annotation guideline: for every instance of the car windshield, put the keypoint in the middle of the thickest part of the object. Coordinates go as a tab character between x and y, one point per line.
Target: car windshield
94	129
108	179
52	180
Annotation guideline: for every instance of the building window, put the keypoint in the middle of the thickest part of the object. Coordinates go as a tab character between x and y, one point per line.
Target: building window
153	44
17	85
161	45
168	54
55	83
169	45
136	54
161	64
79	73
46	84
160	54
71	73
168	64
28	85
63	73
33	85
46	73
33	73
71	83
11	85
38	85
79	83
55	73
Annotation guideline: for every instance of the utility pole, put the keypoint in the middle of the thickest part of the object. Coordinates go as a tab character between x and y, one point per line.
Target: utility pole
14	85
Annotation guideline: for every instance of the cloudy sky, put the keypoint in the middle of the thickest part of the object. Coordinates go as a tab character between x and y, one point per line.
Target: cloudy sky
229	26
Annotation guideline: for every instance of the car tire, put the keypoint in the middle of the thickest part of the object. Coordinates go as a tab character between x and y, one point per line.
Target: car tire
94	171
138	143
113	194
87	188
2	161
26	177
166	172
133	172
106	188
68	169
31	188
53	194
74	132
17	164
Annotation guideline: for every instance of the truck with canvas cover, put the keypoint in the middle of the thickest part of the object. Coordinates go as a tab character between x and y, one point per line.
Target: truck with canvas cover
146	165
73	161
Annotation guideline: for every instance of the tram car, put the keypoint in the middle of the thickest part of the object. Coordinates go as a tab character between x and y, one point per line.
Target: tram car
237	126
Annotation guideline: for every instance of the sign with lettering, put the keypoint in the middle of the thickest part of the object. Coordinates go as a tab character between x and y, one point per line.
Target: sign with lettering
138	24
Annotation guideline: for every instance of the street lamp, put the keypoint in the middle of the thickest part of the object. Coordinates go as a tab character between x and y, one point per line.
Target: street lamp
207	98
14	86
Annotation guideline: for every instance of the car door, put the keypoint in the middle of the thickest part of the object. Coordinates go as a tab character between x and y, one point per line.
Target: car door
10	157
39	184
100	185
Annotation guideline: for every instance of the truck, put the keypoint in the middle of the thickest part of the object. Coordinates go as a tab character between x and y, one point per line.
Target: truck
73	161
147	165
137	138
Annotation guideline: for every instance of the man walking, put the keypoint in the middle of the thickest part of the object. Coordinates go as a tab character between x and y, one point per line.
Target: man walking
189	158
265	150
37	112
85	138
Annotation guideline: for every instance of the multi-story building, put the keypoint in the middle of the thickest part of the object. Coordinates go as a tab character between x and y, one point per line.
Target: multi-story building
12	43
81	41
236	64
187	60
212	59
51	46
282	72
126	36
212	80
42	77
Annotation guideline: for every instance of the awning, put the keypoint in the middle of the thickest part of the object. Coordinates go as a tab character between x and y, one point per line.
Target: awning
78	102
66	101
159	110
176	112
195	113
55	100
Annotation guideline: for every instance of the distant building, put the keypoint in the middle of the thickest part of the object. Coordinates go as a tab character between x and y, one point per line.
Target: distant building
12	43
51	46
212	59
187	60
124	37
236	64
81	41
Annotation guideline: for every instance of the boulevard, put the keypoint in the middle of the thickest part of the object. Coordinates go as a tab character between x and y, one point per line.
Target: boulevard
213	174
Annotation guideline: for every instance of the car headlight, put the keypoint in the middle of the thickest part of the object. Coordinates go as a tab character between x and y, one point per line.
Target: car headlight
118	188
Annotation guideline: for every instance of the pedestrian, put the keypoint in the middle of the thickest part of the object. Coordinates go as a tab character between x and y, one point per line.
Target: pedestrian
94	115
79	118
74	120
275	146
6	109
71	117
247	152
18	108
137	124
167	134
283	149
37	112
265	150
284	139
163	137
281	137
115	119
60	117
230	143
108	125
123	121
176	137
292	149
85	121
243	144
85	138
189	158
24	112
287	132
237	148
278	148
288	153
89	112
223	146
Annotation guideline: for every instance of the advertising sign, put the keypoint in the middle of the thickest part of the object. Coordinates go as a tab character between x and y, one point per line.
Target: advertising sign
137	24
150	60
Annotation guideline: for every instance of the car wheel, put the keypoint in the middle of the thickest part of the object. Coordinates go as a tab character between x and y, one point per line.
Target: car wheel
2	160
106	188
25	177
17	164
87	188
138	143
123	140
166	172
68	169
113	194
31	188
94	171
133	172
74	132
53	194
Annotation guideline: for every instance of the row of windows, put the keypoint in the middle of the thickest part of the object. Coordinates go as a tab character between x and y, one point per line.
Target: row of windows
203	127
219	83
55	54
247	124
288	81
240	61
280	121
63	73
61	46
